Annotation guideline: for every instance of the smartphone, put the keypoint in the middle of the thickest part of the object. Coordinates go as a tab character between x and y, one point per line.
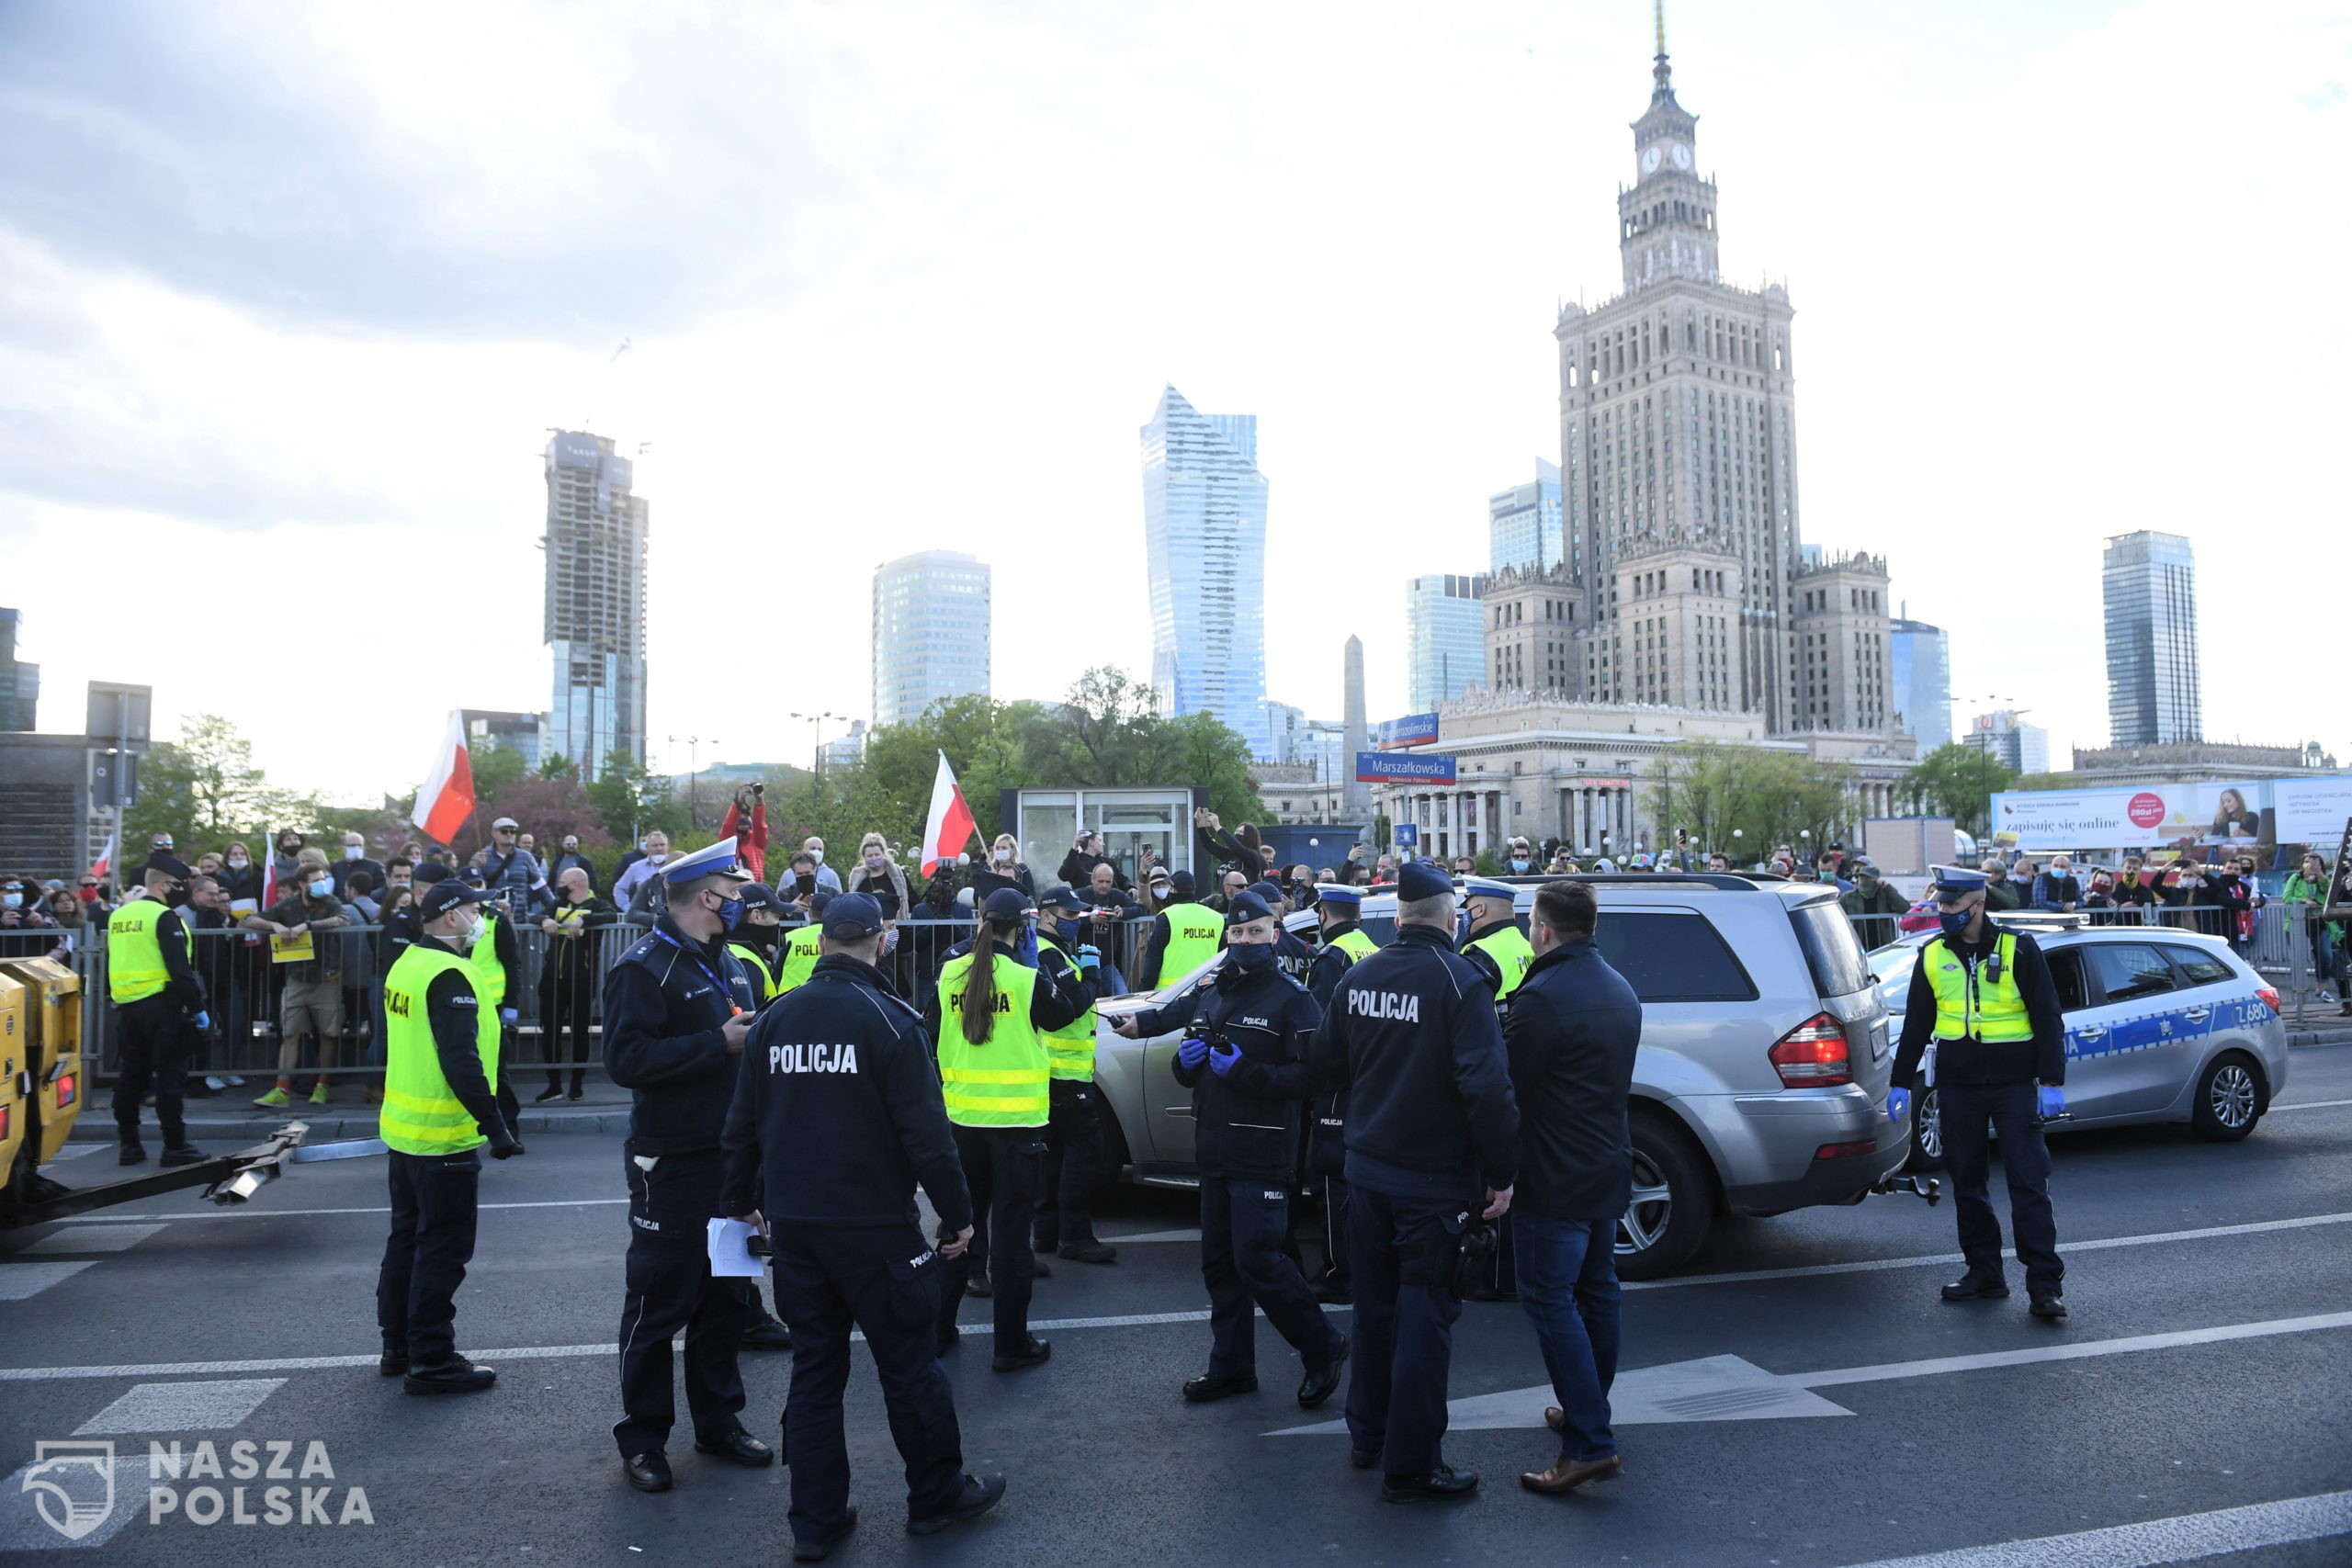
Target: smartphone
805	883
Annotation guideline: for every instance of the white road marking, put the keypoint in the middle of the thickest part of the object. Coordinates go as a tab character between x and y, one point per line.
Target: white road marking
253	1214
93	1239
19	1281
2312	1105
1872	1264
1718	1390
1192	1234
180	1408
23	1530
72	1151
2186	1538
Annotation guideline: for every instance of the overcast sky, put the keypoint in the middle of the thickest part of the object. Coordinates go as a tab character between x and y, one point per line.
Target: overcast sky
290	295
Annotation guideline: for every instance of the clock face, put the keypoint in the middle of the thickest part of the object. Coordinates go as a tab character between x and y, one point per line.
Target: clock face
1650	156
1681	156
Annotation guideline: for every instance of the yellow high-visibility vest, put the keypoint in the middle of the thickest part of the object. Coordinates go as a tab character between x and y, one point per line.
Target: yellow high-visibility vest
1070	1050
1195	932
135	954
762	978
800	955
1003	1081
1512	951
421	1115
1968	1007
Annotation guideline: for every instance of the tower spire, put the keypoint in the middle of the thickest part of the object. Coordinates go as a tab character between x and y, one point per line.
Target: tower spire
1660	71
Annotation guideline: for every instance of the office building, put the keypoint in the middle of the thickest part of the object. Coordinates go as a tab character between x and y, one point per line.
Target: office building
488	730
1523	527
1839	623
1204	543
844	750
19	681
1285	724
2149	580
1919	667
2025	747
1445	638
594	624
930	633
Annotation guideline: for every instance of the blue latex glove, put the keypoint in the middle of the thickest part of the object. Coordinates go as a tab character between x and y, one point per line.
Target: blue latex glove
2049	1101
1898	1105
1192	1052
1090	959
1024	952
204	1021
1221	1060
509	1017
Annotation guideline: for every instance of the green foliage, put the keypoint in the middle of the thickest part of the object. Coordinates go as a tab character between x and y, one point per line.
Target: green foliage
631	801
204	790
1744	800
1958	781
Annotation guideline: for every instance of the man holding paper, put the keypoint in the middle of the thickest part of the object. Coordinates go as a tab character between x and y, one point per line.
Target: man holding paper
837	1116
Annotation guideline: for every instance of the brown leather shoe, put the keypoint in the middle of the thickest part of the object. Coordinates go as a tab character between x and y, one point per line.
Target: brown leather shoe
1554	1419
1569	1474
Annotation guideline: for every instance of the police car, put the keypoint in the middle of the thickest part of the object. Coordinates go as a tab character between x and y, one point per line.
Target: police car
2162	1025
1762	1082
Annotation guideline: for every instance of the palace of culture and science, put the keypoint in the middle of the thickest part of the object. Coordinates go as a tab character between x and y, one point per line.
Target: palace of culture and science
1684	604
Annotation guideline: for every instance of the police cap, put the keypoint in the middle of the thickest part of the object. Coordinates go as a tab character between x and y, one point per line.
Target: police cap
1339	893
760	896
1246	907
852	916
166	863
1957	879
1060	895
1182	881
1487	887
1266	890
447	894
1417	880
1006	905
717	860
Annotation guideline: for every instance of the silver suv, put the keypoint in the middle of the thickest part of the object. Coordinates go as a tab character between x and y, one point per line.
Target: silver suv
1762	1082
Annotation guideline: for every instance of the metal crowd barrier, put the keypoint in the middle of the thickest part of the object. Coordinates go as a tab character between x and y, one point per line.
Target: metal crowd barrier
2269	948
248	993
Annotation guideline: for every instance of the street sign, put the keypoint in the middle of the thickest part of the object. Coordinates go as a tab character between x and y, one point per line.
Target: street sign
1406	834
1413	729
1404	767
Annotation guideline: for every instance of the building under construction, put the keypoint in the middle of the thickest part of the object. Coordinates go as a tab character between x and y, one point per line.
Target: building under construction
595	603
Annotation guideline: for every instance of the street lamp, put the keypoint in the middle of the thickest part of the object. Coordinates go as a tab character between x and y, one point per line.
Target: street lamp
694	818
817	728
1984	758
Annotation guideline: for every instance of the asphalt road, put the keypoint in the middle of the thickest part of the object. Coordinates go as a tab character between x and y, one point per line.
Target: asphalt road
1844	1416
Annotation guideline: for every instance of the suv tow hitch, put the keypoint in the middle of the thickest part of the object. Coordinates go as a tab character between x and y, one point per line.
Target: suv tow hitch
1926	1187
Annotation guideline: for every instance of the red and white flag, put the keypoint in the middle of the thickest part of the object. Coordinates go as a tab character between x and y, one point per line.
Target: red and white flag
447	798
105	863
951	826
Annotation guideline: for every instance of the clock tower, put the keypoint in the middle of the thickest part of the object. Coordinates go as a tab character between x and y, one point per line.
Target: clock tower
1666	220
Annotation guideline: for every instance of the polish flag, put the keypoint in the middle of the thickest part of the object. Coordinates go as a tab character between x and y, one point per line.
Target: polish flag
447	798
951	826
105	863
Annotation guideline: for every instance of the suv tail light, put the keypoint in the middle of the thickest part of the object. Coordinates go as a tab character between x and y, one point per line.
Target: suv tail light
2270	995
1813	1054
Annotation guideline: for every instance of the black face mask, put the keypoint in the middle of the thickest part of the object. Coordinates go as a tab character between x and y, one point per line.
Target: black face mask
1251	956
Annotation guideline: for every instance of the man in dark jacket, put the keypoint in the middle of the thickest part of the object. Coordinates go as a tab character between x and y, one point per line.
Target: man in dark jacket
1984	1029
1412	1038
1244	1058
677	1007
1572	1032
1874	907
1338	907
836	1116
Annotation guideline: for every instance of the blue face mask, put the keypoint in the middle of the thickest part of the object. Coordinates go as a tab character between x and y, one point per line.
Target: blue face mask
1067	931
730	912
1953	923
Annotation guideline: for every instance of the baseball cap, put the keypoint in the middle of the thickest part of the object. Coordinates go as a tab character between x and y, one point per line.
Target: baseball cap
852	916
1417	880
445	895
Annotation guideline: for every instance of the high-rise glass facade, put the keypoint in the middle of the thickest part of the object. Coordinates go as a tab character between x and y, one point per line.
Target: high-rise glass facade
1205	541
1445	638
594	624
930	633
2152	682
1918	659
1523	527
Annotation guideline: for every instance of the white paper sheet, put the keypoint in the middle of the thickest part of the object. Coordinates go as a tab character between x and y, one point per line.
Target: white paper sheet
731	1254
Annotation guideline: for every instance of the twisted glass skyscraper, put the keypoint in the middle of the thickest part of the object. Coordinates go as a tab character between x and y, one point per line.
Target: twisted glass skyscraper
1205	539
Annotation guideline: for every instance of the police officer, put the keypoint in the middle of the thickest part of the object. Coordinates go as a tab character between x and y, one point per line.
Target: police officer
497	959
1183	936
441	1046
798	955
757	941
1495	946
159	1005
1340	908
677	1007
1074	1132
836	1117
1432	1126
1983	1029
1244	1058
1293	956
989	1013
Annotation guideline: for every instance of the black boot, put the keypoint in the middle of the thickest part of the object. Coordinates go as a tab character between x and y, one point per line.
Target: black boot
553	1091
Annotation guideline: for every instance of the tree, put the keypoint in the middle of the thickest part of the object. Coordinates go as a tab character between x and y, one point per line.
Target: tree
629	798
1744	800
204	789
1958	781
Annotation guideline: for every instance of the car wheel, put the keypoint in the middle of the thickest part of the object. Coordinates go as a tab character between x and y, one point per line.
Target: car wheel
2230	1099
1674	1202
1926	1133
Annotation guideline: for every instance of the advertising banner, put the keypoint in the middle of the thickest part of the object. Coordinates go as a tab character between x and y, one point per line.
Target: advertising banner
2313	811
1413	729
1379	767
2208	814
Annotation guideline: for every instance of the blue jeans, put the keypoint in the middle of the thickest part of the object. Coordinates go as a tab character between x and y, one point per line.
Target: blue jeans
1568	1282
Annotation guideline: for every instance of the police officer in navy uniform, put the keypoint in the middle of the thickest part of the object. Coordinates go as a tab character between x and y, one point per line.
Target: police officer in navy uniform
837	1116
677	1008
1293	956
1245	1059
1339	907
1982	1028
1432	1136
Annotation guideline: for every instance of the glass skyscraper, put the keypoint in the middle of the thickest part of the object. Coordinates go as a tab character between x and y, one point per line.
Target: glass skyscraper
1205	539
2152	683
930	633
1918	659
595	622
1523	527
1445	638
